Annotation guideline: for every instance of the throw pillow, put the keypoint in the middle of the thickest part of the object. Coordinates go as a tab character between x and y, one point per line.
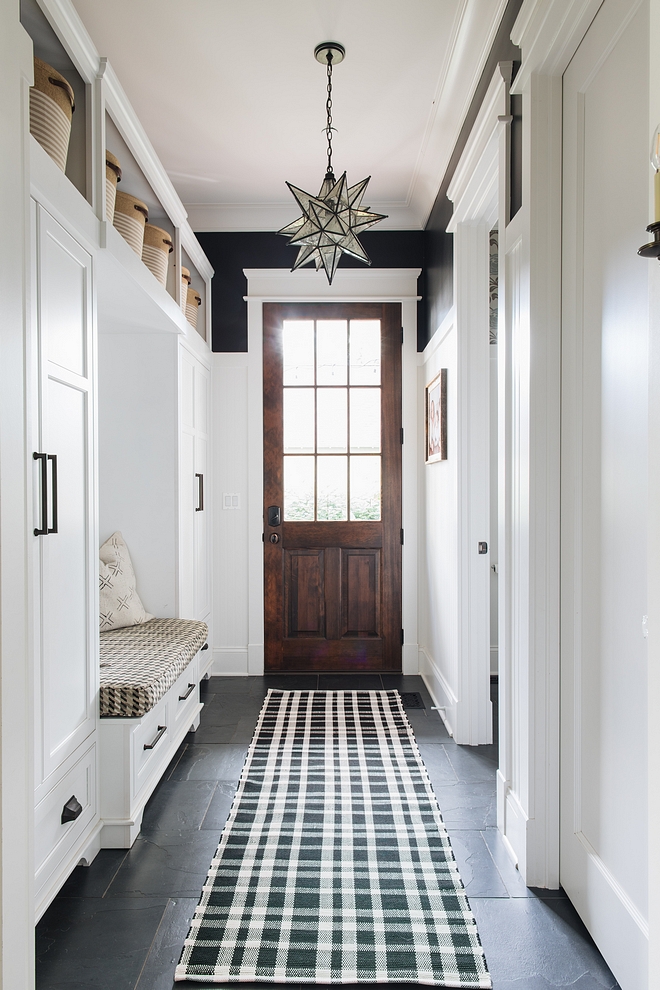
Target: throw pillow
119	602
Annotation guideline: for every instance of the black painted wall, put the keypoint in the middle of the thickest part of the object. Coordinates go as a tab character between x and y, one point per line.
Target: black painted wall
230	253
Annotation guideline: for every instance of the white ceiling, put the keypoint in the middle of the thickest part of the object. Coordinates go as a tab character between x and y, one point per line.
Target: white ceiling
234	102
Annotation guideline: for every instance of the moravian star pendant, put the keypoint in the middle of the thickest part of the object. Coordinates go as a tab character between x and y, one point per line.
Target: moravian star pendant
330	224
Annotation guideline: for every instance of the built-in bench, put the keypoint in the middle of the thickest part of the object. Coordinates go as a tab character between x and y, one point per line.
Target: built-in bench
149	700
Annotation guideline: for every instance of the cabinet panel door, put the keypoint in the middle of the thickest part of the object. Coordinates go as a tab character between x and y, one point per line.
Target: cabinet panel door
201	552
67	555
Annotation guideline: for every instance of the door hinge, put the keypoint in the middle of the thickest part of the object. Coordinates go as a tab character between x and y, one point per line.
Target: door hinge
401	537
402	637
402	336
263	537
402	435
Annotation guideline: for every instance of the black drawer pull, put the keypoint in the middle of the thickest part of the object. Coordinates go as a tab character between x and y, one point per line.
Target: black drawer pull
191	688
162	729
43	529
206	646
71	810
200	493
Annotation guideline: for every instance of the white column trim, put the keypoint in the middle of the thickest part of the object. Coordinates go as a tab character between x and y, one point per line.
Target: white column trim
349	285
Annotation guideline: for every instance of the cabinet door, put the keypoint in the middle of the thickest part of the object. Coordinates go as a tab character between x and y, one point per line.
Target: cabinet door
202	579
67	620
194	557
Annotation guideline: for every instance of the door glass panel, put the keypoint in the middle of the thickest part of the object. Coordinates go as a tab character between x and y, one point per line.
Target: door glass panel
299	488
365	487
365	420
331	352
365	352
298	347
331	488
298	420
331	414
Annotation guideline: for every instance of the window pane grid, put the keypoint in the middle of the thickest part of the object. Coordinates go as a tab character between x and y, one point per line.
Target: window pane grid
351	487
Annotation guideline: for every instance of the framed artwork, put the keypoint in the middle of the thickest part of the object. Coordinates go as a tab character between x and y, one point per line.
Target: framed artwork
436	418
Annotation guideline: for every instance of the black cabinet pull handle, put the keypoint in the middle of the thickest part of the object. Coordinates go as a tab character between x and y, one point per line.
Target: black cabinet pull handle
41	531
71	810
206	646
191	688
162	729
53	459
200	493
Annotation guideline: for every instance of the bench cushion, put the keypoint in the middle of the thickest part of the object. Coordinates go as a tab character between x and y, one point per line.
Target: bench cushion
139	664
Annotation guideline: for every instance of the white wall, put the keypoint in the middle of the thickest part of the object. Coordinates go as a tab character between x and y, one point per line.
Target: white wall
438	535
138	451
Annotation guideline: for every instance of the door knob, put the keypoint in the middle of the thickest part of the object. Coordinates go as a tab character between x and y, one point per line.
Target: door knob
274	538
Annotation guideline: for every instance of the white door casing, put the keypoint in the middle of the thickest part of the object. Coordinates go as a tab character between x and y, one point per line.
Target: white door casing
604	486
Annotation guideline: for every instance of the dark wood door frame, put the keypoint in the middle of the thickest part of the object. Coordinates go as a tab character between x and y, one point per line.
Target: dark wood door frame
340	563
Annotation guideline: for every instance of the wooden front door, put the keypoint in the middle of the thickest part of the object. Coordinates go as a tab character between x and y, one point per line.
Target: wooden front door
332	487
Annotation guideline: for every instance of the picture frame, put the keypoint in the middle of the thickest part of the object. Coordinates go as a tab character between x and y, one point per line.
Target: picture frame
435	418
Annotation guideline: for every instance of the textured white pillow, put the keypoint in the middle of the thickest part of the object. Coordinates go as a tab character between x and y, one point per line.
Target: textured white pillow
119	602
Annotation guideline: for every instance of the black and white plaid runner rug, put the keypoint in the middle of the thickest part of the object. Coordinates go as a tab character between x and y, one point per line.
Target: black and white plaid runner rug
334	865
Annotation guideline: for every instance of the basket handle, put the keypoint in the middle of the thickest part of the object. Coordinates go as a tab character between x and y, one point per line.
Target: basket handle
67	89
141	209
169	244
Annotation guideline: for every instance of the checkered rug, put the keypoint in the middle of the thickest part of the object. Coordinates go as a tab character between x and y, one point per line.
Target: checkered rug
334	865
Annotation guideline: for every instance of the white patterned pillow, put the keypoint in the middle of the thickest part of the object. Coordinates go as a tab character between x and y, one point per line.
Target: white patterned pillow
119	602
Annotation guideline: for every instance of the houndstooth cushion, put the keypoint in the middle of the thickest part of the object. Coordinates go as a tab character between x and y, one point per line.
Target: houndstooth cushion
119	602
139	664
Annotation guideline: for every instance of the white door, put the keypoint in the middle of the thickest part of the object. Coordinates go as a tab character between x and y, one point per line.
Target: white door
603	859
65	540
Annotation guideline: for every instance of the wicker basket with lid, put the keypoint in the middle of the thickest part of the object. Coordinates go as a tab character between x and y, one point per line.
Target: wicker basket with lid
155	250
193	302
185	282
52	103
130	218
112	177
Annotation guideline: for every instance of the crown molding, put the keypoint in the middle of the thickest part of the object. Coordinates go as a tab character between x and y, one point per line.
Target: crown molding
242	217
549	32
473	189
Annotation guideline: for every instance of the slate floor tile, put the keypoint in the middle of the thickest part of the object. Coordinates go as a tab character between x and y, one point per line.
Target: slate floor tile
530	946
511	877
158	970
220	806
211	762
96	943
437	763
178	805
472	763
479	874
165	864
94	880
427	725
212	735
467	805
350	682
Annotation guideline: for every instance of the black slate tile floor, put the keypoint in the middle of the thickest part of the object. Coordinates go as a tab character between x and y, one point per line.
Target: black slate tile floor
120	923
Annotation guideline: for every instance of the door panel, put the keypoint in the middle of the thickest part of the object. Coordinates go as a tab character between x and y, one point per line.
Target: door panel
332	465
604	487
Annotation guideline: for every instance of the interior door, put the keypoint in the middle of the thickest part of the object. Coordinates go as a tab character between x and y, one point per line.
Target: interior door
604	486
332	485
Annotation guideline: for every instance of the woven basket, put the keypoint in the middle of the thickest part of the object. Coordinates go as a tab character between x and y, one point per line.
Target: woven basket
185	282
51	107
130	219
157	245
193	302
112	177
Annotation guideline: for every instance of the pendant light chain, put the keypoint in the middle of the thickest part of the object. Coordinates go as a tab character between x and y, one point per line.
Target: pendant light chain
328	109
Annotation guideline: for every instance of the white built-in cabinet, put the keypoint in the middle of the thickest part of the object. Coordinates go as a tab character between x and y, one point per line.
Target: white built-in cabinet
117	418
64	552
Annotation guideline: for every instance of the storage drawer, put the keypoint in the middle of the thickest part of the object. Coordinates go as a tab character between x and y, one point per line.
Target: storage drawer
150	743
53	840
185	696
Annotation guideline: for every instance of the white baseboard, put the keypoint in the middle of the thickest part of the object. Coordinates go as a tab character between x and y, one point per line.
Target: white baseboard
230	663
443	697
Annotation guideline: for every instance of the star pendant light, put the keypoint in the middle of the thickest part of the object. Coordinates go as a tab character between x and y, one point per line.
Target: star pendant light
332	220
